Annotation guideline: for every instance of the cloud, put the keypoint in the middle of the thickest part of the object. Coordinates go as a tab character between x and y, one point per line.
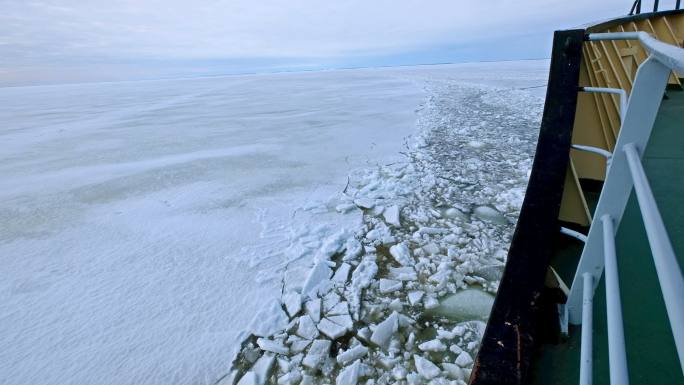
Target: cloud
52	33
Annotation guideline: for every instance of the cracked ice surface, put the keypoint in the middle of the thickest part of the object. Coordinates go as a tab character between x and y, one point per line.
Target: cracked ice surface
435	232
144	224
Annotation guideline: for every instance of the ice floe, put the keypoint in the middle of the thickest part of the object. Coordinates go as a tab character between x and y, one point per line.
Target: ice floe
425	367
391	215
402	254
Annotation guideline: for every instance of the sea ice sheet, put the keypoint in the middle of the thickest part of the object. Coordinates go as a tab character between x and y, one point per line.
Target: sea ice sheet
145	224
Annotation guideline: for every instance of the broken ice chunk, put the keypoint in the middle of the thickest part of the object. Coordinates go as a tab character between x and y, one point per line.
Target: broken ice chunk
293	303
320	273
489	272
388	285
431	302
445	334
396	305
352	249
401	253
385	329
307	328
290	378
262	368
431	249
342	273
364	334
391	215
459	330
399	372
272	346
363	274
364	203
464	359
465	304
433	230
405	321
271	320
349	375
342	308
454	213
330	300
362	277
352	354
432	346
345	207
410	341
489	214
453	371
331	329
343	320
402	273
313	309
425	367
297	344
415	296
317	353
414	379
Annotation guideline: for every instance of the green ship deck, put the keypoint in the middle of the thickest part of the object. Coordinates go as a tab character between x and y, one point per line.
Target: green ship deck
651	353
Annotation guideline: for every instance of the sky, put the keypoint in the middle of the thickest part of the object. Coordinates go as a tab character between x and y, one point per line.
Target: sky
56	41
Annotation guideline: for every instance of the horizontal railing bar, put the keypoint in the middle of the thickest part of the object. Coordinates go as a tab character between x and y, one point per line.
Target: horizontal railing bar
617	91
617	358
586	349
613	36
573	233
668	54
667	267
604	153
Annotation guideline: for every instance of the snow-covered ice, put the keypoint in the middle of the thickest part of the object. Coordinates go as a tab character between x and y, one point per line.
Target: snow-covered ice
150	227
422	286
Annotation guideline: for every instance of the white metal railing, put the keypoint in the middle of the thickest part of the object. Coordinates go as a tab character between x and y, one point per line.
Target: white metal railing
625	171
604	153
616	91
622	109
573	233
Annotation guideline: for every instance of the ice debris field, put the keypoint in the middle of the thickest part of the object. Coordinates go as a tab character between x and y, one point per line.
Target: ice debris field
344	227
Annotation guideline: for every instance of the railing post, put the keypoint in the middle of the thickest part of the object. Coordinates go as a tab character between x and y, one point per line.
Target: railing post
586	350
617	357
631	10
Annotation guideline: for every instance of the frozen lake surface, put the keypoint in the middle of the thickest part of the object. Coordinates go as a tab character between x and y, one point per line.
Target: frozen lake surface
144	224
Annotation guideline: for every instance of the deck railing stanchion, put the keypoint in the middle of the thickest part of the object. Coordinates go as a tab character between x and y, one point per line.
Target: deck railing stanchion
586	350
617	357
